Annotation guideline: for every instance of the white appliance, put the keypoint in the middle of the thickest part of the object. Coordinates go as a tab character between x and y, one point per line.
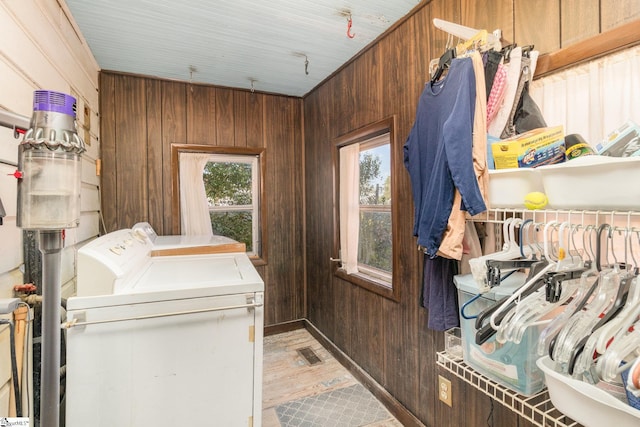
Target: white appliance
163	340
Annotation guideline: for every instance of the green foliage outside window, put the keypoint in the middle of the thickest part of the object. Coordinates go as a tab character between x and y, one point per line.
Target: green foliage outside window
374	249
235	225
229	184
374	246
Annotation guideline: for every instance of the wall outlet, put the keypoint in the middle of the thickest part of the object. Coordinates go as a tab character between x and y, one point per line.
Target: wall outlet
444	390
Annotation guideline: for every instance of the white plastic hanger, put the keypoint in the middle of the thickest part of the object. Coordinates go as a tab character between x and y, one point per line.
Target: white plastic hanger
585	290
580	324
611	331
536	305
531	282
467	33
626	348
618	325
510	250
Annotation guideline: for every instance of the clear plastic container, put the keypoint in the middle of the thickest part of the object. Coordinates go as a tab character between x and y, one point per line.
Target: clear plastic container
512	365
453	342
49	190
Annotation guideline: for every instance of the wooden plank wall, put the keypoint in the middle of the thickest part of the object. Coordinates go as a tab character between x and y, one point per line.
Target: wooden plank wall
142	117
41	48
390	340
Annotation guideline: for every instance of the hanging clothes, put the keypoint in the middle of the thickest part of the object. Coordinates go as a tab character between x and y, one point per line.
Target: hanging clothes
438	156
528	115
440	301
514	69
494	60
498	90
451	245
438	153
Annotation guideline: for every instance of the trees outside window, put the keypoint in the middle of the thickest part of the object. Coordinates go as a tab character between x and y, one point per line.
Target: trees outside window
231	184
364	208
220	190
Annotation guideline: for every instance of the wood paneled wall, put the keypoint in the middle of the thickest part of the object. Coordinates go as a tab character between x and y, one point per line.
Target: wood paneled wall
142	117
390	340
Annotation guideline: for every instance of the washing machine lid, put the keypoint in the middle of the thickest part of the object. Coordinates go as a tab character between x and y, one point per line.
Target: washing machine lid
180	277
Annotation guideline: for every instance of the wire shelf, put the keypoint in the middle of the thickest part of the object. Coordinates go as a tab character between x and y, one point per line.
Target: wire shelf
537	408
574	216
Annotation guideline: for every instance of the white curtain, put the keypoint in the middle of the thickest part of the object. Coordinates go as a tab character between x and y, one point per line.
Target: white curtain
194	210
349	206
592	99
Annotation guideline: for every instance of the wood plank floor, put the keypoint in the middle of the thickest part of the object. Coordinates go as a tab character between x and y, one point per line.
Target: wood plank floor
288	377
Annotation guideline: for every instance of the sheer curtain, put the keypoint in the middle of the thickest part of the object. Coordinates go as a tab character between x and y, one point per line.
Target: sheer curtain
349	206
194	211
594	98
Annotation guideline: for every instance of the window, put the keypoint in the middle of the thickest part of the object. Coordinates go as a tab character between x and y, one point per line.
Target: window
220	192
365	209
231	184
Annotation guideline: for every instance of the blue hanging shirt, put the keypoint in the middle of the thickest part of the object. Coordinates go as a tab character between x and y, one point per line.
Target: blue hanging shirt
438	153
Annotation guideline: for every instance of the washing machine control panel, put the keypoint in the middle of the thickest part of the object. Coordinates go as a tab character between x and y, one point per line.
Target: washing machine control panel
110	258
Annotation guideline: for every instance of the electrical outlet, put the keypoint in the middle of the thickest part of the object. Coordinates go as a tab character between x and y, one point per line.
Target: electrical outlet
444	390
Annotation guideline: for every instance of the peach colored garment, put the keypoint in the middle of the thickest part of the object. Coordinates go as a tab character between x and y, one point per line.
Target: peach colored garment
451	245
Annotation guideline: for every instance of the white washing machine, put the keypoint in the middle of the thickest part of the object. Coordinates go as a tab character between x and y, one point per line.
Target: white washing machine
163	340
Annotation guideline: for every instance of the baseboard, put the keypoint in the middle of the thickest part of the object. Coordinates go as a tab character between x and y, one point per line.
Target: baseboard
284	327
396	408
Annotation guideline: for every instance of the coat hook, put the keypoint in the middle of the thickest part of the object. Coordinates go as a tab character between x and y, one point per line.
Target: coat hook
349	23
192	69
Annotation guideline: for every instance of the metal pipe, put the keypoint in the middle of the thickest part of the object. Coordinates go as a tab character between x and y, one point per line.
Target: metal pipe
50	244
13	121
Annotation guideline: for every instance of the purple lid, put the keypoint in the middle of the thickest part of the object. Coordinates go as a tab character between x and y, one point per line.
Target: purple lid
47	100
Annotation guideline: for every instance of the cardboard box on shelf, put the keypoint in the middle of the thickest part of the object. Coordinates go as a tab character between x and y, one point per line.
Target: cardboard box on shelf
543	146
622	142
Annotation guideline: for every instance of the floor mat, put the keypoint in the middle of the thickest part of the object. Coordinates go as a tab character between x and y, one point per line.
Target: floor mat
344	407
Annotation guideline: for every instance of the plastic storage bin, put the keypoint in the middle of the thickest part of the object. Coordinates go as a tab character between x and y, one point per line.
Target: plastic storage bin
508	187
512	365
586	403
593	182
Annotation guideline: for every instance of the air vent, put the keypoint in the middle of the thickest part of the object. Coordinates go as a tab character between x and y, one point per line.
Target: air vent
309	355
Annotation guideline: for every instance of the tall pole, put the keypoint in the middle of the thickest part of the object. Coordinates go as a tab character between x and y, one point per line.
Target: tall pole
50	244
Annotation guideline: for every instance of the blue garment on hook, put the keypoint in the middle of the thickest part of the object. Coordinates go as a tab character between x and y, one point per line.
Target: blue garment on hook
438	153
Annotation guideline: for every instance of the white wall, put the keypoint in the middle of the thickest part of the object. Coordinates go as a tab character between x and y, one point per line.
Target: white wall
42	48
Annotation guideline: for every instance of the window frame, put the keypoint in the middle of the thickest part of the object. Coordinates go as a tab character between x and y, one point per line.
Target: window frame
369	282
259	258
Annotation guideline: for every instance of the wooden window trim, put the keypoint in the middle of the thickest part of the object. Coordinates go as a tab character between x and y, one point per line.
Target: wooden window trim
176	149
367	282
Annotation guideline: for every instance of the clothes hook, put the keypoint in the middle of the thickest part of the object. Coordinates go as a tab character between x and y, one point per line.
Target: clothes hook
192	69
349	23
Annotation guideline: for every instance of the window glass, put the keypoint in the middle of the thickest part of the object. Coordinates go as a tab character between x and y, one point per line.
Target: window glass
219	190
364	213
375	243
231	186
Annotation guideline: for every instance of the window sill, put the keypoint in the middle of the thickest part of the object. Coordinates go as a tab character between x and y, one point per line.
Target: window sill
369	283
257	261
